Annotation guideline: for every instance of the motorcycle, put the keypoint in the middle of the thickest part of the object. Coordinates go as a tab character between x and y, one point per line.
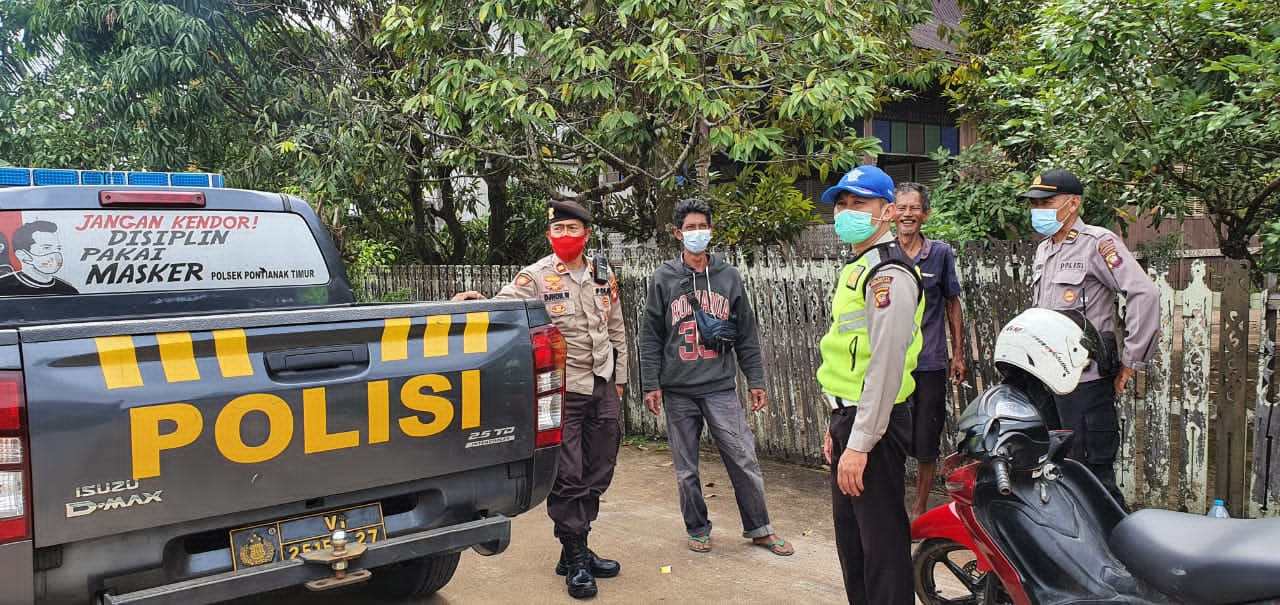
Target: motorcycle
1028	526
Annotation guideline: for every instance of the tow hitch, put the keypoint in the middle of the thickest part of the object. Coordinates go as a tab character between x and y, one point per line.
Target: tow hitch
337	558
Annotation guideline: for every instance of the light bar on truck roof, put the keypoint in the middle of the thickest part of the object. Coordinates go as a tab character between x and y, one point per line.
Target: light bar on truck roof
28	177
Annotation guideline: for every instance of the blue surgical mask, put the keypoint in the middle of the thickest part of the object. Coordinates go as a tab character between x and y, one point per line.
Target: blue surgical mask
696	241
854	226
1045	220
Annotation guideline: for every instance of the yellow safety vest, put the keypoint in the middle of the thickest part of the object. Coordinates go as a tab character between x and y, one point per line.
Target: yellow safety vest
846	348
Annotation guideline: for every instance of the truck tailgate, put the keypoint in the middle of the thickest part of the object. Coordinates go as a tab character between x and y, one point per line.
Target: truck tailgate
142	423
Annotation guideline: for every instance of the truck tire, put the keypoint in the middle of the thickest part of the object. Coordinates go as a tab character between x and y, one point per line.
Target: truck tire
415	578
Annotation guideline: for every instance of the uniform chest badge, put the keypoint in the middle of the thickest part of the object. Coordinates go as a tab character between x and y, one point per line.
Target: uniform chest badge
1069	296
854	276
551	279
553	287
558	309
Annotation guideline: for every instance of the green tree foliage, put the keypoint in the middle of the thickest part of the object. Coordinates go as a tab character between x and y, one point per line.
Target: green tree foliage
975	197
292	96
760	208
1155	103
561	93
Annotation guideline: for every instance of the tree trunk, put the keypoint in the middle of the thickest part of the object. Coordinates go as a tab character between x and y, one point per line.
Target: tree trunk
448	212
704	158
417	203
499	214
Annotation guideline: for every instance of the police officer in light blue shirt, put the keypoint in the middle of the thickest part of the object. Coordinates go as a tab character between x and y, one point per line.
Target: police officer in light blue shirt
1082	267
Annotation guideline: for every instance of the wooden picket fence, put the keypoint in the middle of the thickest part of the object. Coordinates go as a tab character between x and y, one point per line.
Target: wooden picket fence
1201	423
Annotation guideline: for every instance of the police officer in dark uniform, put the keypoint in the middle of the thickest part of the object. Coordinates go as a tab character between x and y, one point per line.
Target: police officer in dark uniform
582	300
1082	267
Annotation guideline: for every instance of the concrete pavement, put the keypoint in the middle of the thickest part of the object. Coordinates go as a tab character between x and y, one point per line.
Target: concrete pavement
640	526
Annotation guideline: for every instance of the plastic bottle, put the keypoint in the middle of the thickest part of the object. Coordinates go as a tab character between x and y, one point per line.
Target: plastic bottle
1218	510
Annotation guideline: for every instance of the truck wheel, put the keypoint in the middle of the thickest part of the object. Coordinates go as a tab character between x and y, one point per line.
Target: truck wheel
415	578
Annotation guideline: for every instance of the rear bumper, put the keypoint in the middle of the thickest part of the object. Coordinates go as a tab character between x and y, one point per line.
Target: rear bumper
17	583
492	534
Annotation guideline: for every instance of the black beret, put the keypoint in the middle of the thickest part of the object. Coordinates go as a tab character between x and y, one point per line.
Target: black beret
562	211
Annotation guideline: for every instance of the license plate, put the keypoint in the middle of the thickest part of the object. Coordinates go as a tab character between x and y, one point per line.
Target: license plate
290	538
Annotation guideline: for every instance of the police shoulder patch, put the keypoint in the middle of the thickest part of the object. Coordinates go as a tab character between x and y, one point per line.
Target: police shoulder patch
523	280
1110	255
881	296
880	281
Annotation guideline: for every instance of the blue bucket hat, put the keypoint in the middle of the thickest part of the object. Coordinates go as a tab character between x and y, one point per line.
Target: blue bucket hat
863	181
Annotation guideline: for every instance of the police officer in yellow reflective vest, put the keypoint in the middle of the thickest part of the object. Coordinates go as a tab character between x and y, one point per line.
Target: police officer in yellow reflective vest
867	358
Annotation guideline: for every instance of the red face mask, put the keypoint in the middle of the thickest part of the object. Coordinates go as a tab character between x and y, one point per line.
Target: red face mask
568	248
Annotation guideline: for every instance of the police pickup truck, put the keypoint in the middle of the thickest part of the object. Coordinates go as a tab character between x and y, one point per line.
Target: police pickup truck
193	409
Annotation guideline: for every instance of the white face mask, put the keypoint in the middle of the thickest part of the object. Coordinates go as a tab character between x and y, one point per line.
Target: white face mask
697	241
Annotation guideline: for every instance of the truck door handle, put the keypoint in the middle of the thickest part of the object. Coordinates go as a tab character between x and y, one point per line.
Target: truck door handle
309	359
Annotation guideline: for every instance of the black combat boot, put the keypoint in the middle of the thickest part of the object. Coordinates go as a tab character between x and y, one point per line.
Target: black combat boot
578	578
600	568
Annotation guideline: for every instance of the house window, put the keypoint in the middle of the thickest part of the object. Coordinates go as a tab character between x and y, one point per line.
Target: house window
915	138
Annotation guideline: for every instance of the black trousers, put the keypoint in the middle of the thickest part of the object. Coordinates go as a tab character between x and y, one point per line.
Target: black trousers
590	435
928	413
1090	413
873	535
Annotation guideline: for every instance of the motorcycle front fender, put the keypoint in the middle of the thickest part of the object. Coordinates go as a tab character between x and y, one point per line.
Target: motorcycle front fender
943	522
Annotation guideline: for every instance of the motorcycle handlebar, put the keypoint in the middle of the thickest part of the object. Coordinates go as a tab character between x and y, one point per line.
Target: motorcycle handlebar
1003	483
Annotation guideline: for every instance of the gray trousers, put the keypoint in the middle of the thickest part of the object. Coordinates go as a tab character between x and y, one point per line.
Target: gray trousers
724	415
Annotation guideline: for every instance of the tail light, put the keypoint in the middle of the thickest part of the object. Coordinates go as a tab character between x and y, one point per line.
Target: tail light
15	517
151	198
549	352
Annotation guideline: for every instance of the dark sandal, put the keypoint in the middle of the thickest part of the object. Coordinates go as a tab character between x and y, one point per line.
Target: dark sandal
700	543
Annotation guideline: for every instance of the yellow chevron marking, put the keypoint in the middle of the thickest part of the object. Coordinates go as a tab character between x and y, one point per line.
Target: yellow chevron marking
233	353
476	337
395	338
178	357
119	362
435	343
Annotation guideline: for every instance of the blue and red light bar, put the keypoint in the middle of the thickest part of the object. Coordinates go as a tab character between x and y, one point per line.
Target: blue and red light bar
29	177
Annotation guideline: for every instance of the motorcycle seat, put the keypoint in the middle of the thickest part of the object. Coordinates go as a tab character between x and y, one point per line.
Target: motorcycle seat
1198	559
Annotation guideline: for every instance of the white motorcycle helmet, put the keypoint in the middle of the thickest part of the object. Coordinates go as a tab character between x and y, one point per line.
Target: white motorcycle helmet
1049	345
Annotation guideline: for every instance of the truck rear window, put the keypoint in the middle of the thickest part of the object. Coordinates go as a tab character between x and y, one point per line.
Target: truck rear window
46	252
